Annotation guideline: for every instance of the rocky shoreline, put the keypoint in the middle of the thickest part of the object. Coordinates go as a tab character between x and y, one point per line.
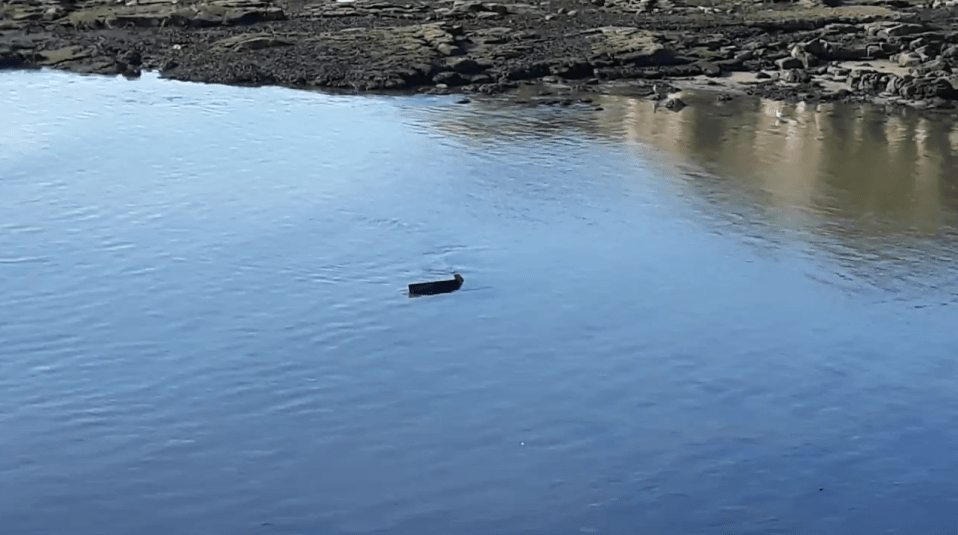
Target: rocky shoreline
891	51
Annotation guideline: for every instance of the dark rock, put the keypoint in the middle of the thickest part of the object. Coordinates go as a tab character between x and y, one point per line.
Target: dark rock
677	71
817	47
797	76
132	58
837	71
937	66
927	52
465	66
878	51
10	59
450	79
763	75
674	104
852	52
950	52
786	25
840	29
573	70
938	87
789	63
894	85
808	60
709	68
529	72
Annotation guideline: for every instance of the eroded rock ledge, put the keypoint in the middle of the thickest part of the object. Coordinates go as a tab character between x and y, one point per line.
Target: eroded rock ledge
894	51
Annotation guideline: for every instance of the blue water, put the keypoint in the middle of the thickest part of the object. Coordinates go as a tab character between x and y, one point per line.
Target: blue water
204	327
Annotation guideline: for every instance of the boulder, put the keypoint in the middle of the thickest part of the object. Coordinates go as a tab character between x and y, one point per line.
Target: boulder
573	70
789	63
909	59
465	66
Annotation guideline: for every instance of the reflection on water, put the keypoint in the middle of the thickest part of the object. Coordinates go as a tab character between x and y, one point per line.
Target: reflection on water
712	321
857	184
876	173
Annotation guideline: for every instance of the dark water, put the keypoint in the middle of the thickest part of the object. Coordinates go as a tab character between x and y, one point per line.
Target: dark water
707	322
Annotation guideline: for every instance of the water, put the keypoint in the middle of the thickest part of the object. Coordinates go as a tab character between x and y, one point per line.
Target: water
706	322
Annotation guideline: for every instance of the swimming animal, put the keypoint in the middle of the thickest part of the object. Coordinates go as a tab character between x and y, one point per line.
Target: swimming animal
437	287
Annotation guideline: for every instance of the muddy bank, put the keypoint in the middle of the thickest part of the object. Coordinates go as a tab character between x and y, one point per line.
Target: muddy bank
892	51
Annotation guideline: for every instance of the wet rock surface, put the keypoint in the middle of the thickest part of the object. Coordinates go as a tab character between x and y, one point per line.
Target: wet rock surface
896	52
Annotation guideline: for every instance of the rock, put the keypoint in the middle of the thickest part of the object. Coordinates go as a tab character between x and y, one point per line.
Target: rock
789	63
937	66
909	59
936	87
10	59
628	45
837	71
528	72
465	66
63	55
676	71
709	68
816	47
674	104
797	76
840	29
448	49
950	52
251	42
573	70
763	75
927	52
851	52
879	50
894	85
867	81
449	79
808	60
899	30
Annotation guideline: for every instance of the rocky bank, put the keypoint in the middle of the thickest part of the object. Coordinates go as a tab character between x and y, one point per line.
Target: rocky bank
893	51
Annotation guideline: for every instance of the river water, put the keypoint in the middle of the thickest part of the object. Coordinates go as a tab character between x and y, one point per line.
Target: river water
712	321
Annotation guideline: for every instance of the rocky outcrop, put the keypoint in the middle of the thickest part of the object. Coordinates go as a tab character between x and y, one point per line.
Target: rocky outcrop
490	47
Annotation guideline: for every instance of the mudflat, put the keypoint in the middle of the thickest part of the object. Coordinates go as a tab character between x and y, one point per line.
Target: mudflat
891	51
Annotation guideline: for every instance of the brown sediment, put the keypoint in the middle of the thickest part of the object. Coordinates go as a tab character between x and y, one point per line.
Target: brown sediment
894	51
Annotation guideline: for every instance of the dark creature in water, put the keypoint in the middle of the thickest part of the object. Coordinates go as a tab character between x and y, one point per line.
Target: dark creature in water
437	287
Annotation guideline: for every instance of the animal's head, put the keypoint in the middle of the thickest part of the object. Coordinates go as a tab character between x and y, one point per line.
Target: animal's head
458	277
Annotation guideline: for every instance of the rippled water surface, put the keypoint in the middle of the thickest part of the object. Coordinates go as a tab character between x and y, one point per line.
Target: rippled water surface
712	321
